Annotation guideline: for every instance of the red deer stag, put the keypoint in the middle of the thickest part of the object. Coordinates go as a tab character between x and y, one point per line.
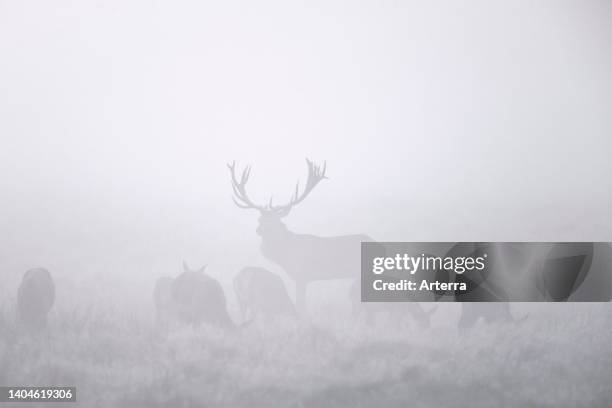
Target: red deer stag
304	257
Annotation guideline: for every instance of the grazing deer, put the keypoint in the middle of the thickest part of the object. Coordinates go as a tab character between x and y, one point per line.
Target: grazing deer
261	295
486	300
304	257
35	298
398	311
192	298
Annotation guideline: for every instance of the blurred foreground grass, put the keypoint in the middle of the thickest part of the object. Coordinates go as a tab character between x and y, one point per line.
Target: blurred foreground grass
558	357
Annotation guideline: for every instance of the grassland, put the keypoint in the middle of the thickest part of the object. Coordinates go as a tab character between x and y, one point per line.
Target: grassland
560	356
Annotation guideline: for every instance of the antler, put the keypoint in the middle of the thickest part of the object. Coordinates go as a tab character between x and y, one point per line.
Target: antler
240	197
316	173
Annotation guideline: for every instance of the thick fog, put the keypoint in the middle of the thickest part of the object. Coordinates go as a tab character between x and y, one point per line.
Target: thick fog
437	121
487	121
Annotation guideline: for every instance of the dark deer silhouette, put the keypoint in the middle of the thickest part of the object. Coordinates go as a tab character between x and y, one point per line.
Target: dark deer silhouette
304	257
192	298
35	298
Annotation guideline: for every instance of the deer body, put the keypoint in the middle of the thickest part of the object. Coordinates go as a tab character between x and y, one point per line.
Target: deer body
35	299
192	298
199	299
308	258
261	295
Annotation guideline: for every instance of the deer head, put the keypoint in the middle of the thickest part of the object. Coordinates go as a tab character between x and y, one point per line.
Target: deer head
270	222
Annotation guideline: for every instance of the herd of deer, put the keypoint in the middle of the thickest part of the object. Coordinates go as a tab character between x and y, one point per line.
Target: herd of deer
196	298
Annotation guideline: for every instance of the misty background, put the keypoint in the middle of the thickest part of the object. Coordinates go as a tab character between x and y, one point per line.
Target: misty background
479	121
439	121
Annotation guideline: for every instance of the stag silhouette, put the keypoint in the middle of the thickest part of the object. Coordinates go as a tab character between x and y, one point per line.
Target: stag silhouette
304	257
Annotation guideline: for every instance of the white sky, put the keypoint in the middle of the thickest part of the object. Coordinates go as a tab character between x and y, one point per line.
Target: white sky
439	121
